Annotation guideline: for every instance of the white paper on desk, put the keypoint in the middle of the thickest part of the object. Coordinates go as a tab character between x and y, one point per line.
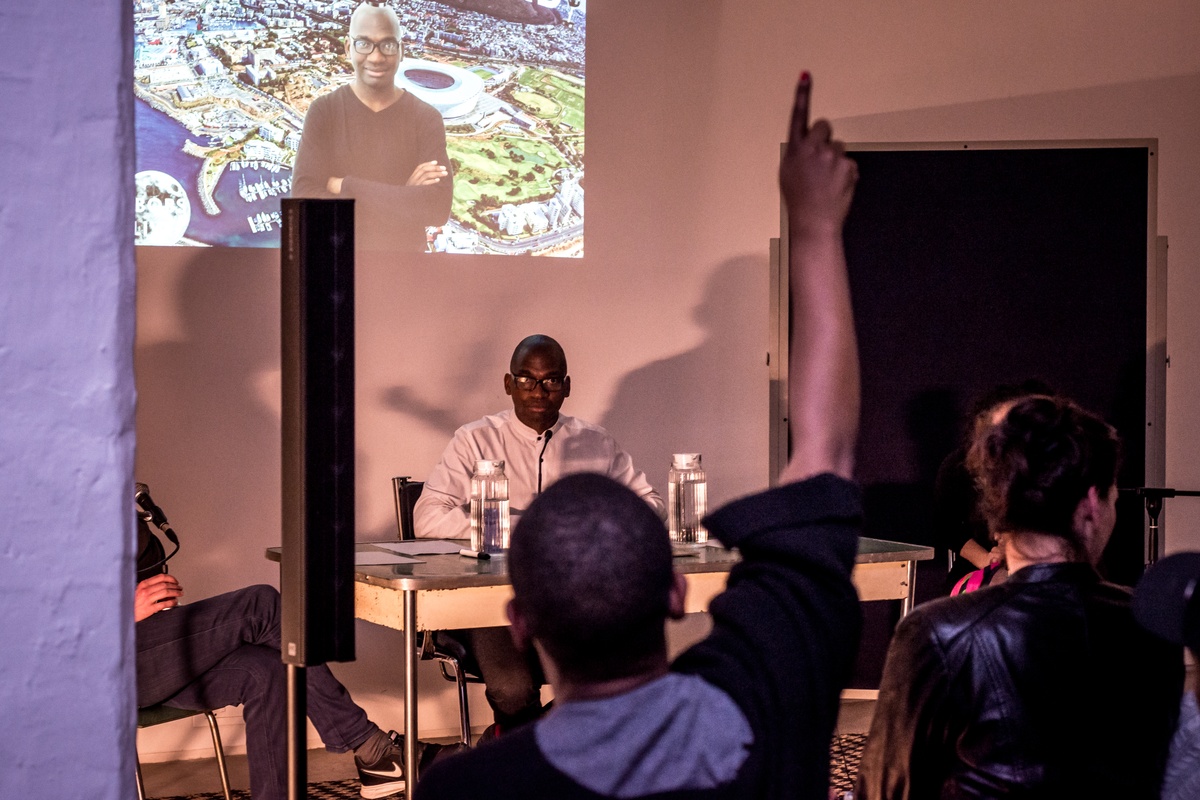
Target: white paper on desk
367	558
420	547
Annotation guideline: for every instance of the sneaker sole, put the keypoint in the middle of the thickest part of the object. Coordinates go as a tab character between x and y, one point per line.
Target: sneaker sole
382	790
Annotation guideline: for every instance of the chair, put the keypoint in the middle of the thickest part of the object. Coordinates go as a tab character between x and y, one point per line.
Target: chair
157	715
431	646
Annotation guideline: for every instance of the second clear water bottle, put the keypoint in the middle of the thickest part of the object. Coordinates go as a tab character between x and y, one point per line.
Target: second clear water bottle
489	508
687	499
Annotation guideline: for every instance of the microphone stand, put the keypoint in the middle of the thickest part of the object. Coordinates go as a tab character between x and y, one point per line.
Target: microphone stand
1154	504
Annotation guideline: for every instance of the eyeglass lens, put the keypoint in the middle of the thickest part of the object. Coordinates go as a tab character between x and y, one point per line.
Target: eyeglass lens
389	47
529	383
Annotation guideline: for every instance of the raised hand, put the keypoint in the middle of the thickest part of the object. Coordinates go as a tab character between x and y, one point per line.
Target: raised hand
815	175
818	180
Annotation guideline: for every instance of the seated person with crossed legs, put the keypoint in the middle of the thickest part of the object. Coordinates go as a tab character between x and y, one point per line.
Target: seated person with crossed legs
749	711
225	651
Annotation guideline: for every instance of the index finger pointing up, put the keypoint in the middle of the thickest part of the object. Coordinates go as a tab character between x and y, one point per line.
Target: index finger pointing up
799	126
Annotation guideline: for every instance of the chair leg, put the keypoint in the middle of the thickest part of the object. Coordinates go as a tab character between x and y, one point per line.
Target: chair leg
137	762
220	751
464	711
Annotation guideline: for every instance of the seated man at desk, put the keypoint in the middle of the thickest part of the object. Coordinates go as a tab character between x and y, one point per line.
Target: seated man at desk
538	445
750	710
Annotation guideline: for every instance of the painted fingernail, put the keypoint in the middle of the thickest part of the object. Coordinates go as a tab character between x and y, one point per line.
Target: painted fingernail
805	77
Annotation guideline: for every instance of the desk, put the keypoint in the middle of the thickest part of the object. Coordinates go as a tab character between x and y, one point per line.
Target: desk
445	592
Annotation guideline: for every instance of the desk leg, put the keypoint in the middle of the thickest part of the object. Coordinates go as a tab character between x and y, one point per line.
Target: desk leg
410	692
906	605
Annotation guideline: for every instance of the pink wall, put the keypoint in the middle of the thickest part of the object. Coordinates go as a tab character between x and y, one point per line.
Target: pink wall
66	400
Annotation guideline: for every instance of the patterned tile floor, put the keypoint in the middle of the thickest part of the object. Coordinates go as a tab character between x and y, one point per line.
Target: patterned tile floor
845	754
323	790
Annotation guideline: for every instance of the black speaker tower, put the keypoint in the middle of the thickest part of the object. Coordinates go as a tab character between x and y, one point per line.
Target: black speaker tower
317	348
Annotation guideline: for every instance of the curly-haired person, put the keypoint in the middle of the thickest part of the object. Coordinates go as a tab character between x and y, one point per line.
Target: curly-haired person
1043	686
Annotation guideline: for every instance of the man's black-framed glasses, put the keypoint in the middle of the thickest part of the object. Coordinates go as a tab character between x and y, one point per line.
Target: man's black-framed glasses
527	383
364	47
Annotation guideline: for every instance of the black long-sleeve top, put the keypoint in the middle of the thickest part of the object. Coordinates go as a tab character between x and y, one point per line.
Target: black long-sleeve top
375	153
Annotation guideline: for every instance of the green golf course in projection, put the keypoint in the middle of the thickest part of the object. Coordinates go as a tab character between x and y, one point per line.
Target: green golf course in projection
489	173
551	96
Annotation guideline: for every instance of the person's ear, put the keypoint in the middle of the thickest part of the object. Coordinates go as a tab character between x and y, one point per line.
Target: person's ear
518	627
566	387
508	384
1089	522
1084	515
677	596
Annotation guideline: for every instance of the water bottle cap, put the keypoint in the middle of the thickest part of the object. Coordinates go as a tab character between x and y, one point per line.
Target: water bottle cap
685	460
488	467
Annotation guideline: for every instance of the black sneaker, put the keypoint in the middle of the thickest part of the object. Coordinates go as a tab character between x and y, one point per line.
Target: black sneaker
386	776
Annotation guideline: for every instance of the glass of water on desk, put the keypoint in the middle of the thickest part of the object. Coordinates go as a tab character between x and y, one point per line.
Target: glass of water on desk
687	499
489	508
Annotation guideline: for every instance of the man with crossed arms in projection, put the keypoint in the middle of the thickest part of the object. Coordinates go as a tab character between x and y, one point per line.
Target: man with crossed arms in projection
376	143
538	445
749	711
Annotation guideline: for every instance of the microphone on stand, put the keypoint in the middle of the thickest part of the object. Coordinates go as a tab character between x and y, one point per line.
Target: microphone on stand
1154	497
545	441
150	512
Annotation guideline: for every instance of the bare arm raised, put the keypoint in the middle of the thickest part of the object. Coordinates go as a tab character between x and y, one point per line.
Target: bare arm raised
818	180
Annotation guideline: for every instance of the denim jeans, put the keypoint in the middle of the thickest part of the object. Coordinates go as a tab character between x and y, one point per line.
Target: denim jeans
224	651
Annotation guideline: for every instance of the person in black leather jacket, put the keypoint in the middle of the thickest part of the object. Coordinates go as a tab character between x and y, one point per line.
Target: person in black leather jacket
1043	686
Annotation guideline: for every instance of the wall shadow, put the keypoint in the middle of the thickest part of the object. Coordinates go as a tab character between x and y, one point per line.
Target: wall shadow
680	403
208	444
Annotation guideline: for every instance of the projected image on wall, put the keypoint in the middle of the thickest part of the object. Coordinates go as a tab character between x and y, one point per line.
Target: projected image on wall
224	89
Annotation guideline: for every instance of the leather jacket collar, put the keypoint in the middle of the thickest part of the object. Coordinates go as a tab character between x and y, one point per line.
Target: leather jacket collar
1074	571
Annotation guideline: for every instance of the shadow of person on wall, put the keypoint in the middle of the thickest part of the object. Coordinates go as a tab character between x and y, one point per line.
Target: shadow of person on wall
711	399
208	433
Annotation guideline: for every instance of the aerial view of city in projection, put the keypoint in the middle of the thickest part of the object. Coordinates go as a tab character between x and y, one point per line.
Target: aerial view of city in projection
223	87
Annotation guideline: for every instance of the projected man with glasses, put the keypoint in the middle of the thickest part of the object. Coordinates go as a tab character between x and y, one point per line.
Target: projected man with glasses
372	141
533	436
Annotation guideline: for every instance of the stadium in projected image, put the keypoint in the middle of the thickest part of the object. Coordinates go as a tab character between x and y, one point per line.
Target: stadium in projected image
223	87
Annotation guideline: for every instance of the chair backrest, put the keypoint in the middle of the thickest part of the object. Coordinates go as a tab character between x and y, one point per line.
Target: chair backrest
406	491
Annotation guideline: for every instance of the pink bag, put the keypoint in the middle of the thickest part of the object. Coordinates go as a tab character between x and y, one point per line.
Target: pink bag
977	579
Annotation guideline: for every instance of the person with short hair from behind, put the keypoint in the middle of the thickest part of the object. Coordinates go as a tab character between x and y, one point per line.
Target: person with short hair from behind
1167	604
1043	686
749	711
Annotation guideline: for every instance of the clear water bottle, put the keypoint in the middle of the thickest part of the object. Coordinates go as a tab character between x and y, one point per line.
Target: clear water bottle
489	508
687	499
